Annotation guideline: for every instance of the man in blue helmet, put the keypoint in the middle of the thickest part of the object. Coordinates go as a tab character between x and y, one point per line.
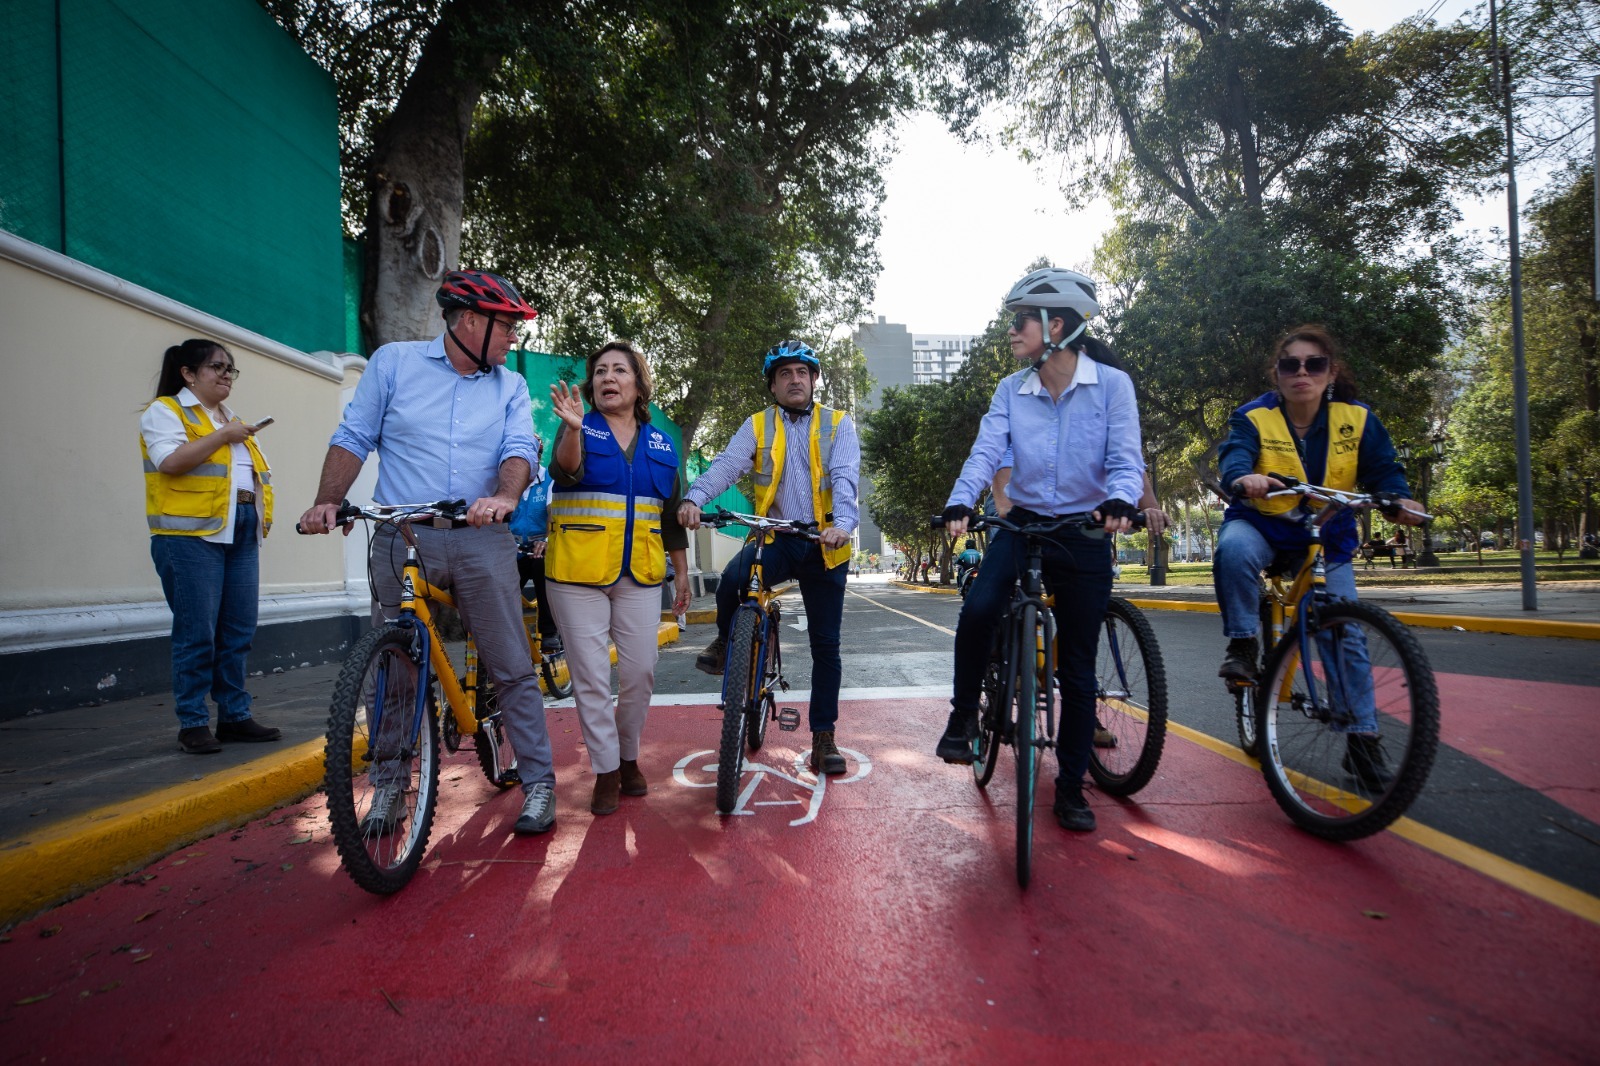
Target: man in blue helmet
814	481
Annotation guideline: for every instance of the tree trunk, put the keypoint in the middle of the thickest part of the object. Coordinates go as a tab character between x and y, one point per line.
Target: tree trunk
415	180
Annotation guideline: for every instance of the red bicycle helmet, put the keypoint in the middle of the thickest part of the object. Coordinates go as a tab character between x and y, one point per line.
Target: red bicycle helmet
478	290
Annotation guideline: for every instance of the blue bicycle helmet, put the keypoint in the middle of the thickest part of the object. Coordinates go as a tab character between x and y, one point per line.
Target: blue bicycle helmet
789	352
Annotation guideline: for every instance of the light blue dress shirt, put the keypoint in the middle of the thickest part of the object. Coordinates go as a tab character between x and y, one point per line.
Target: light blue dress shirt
1070	455
438	435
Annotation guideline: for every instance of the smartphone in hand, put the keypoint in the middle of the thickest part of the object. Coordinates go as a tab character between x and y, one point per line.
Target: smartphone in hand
265	422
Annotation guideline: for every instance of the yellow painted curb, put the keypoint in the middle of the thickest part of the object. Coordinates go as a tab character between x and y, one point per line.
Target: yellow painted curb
69	858
926	588
694	618
1518	627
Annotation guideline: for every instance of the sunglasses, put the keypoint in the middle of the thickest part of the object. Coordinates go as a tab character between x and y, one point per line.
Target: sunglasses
222	370
1022	318
1314	364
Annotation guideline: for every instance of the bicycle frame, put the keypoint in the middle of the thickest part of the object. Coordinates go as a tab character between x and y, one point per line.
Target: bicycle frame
755	596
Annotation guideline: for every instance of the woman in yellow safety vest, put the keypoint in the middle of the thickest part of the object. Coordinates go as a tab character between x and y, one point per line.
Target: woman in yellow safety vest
612	521
1311	427
208	503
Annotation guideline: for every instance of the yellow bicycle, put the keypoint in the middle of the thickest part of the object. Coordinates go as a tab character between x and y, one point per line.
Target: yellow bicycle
382	746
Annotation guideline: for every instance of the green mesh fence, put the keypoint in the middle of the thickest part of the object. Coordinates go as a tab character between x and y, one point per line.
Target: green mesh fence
188	146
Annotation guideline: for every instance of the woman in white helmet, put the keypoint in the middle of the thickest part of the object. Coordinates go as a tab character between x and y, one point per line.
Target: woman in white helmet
1073	416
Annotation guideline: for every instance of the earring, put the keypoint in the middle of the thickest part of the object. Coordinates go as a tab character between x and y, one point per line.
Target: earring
1329	393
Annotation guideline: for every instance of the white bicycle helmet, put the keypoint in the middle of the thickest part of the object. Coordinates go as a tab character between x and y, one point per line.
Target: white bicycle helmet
1055	288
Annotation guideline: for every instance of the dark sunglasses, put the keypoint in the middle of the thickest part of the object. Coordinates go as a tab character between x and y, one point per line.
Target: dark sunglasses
1314	364
1022	318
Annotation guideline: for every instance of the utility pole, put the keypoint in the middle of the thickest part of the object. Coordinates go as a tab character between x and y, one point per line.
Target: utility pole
1501	82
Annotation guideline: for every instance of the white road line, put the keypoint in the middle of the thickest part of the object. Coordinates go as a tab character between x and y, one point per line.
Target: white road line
801	695
902	614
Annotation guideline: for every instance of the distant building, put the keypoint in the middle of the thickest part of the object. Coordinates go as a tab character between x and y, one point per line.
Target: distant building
896	356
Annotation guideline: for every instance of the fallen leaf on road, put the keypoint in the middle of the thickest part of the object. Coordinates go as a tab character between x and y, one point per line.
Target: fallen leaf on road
32	999
146	957
46	934
146	914
392	1004
287	867
302	840
1375	914
178	862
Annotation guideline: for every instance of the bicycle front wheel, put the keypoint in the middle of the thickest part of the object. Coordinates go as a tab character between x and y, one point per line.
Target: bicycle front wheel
1024	659
739	688
1130	702
382	765
1360	672
760	708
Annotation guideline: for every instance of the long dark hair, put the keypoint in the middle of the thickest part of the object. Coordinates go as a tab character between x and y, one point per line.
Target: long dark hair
641	377
189	355
1344	383
1096	349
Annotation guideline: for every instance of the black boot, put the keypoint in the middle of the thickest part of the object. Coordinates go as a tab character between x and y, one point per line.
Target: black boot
1364	758
1071	809
956	744
1240	662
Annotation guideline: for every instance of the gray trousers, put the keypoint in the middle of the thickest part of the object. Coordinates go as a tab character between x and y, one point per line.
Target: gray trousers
479	568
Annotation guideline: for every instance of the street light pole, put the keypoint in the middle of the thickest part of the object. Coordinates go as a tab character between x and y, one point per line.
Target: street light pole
1519	361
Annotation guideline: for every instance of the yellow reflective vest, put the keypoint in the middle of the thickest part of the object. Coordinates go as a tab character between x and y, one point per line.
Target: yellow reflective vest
609	524
196	504
769	426
1280	454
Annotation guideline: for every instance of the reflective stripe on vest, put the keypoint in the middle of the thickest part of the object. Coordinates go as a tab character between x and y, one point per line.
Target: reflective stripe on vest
770	429
196	503
1280	455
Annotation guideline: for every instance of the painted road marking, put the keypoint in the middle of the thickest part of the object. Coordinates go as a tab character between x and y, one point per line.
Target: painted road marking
902	614
802	777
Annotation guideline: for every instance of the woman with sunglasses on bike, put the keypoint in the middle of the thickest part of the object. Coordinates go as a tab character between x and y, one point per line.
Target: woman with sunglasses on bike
1074	417
1309	426
208	503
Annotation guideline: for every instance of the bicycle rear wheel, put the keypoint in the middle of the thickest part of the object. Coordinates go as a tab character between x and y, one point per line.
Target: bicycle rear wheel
1024	660
1327	782
557	680
375	753
1130	701
739	690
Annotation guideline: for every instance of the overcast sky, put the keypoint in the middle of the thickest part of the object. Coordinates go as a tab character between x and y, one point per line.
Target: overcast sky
944	270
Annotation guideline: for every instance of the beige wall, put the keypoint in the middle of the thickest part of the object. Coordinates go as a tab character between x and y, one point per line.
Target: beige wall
78	368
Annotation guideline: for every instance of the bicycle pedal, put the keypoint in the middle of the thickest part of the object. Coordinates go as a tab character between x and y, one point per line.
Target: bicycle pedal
788	719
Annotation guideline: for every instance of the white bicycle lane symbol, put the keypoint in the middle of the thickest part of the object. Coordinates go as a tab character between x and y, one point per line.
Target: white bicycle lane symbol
801	777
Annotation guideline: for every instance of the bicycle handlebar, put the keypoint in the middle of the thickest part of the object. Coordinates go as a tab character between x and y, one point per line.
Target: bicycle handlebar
793	527
348	514
1386	502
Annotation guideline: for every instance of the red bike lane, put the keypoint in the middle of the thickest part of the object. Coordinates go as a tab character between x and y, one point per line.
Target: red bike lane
1196	924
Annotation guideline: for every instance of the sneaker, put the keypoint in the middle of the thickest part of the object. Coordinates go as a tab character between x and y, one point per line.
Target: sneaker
1103	737
1072	810
246	729
538	811
825	753
1240	662
712	659
956	744
386	813
1364	759
198	740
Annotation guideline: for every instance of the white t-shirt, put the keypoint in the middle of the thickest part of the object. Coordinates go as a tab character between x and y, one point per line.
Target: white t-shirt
163	434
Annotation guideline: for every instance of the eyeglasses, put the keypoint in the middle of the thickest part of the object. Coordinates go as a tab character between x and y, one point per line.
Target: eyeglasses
1314	364
1022	318
223	370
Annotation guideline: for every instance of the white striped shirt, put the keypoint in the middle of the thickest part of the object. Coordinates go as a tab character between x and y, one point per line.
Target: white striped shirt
793	498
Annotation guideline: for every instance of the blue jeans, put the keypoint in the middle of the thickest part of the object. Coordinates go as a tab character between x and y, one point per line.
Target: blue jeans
1077	571
1242	553
212	590
821	589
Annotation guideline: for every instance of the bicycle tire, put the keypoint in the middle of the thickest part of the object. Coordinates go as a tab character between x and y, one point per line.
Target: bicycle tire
738	690
382	662
992	708
1130	701
1302	756
495	757
1245	697
760	712
557	678
1024	661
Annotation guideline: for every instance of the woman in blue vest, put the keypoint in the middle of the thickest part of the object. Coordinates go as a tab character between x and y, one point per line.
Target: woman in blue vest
613	518
208	503
1310	426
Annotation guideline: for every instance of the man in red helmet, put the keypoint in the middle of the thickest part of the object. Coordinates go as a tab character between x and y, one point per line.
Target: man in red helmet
448	422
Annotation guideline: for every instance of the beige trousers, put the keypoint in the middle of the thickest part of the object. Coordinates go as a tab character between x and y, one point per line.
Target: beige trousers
625	614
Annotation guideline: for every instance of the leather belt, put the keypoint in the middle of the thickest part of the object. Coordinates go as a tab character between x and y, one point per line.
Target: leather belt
246	496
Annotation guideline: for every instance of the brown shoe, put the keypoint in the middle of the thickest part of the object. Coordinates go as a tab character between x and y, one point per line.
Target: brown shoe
247	729
197	740
825	753
633	782
606	788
